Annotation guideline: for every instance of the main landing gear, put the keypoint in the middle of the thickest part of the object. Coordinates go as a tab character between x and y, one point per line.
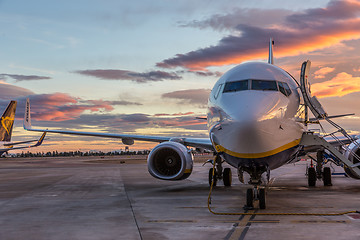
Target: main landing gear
319	172
219	174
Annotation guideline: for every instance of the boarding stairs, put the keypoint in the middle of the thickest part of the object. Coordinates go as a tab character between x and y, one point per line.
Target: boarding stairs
311	139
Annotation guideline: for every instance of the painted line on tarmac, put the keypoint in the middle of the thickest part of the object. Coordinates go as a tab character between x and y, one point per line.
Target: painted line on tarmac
171	221
240	229
319	221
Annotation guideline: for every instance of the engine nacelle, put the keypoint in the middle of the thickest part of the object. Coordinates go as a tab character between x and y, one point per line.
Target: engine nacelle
353	148
170	161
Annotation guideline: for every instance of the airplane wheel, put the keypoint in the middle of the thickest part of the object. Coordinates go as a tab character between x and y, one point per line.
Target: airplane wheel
250	198
262	198
227	177
327	176
311	177
211	177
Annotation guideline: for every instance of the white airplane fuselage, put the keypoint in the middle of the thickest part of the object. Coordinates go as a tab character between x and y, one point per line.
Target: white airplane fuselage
253	121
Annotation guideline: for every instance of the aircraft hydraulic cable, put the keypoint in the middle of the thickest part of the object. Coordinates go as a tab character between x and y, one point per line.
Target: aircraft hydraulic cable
262	213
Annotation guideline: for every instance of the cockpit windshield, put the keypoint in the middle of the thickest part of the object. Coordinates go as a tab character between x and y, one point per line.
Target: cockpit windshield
252	84
264	85
236	86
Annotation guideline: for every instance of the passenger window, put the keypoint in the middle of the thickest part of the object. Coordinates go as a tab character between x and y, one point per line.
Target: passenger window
264	85
281	88
236	86
287	89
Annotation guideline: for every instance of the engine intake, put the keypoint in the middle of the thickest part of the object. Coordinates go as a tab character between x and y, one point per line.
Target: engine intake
170	161
353	148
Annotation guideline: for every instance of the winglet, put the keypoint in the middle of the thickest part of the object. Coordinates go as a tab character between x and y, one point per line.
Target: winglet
41	139
271	56
27	118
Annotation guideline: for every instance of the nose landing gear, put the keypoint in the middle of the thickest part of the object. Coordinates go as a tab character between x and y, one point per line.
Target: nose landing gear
255	194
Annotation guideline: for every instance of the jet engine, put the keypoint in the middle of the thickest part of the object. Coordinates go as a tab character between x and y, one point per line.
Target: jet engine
170	161
354	148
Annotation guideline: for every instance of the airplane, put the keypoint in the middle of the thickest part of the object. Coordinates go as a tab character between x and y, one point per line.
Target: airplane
7	122
257	119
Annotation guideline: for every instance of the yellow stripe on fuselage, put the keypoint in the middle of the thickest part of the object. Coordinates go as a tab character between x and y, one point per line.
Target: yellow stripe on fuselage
220	148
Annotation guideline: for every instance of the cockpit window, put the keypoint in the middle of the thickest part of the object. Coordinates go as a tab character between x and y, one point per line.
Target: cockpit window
236	86
264	85
287	89
284	88
218	91
281	88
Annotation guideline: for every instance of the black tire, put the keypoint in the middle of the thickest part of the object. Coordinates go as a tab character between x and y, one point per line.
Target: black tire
311	177
327	176
262	198
227	177
250	198
211	177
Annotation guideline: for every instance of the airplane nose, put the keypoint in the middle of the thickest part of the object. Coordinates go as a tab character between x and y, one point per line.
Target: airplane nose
250	121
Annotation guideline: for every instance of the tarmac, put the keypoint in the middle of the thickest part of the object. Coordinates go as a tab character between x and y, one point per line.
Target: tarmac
115	197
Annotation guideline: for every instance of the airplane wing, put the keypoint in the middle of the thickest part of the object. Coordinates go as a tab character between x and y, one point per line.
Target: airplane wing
10	146
18	143
127	139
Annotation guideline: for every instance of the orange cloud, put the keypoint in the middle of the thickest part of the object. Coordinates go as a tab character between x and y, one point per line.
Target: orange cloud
299	33
339	86
323	71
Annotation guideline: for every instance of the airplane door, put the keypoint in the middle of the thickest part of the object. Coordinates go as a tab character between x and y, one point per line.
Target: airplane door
310	101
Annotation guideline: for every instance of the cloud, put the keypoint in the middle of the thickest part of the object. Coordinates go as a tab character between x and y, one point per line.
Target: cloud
8	91
60	106
310	30
207	73
174	114
19	78
323	71
191	96
113	74
339	86
55	106
229	21
124	103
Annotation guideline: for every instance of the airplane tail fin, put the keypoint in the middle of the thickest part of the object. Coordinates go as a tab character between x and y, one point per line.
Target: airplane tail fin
27	118
271	56
7	122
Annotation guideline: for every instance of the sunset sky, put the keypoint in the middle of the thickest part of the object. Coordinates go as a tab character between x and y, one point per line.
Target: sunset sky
147	67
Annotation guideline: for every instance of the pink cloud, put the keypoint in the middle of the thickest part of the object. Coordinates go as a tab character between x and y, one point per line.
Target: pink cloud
62	107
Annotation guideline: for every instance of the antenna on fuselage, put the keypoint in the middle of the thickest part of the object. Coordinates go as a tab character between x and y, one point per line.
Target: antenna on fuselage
271	56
